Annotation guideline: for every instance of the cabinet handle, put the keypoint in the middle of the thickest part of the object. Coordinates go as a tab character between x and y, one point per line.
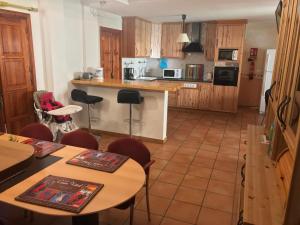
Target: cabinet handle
271	88
240	221
283	107
243	175
279	111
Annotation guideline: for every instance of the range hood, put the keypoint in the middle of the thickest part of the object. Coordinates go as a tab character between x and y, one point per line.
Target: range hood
194	32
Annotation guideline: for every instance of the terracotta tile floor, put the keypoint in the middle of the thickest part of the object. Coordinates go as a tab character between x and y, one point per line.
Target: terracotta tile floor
194	178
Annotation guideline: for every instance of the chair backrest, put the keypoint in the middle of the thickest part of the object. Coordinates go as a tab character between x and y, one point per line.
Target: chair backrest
132	148
37	131
128	96
36	97
80	138
78	95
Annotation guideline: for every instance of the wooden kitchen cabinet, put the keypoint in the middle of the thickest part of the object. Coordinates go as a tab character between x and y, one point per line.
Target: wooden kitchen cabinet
188	98
224	98
170	48
172	99
230	35
205	91
155	40
136	37
210	41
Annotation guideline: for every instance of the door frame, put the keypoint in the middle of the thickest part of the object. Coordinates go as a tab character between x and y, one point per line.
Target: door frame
115	31
13	14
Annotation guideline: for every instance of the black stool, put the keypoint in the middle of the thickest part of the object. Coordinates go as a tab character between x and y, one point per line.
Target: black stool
81	96
126	96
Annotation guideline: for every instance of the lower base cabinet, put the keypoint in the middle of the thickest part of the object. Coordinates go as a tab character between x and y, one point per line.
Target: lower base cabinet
224	98
188	98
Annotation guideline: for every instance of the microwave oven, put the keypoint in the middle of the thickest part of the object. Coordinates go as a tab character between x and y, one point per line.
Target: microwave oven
228	54
172	73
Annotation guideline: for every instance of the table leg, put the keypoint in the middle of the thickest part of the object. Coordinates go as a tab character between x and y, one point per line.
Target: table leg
91	219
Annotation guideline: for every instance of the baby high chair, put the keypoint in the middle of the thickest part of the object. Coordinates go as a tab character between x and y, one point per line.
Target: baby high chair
53	114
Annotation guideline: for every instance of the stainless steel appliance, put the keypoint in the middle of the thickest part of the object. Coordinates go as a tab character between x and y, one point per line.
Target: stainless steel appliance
172	73
129	73
194	71
228	54
226	74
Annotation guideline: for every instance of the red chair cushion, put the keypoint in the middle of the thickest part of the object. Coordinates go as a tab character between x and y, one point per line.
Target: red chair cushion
81	139
37	131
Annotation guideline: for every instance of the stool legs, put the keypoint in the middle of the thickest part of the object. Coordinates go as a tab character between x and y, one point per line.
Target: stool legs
89	112
130	120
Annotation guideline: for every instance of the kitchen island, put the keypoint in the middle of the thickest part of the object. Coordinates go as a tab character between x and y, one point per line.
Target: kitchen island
149	118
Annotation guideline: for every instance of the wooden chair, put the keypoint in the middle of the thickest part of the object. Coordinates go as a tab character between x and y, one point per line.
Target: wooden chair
81	139
37	131
137	151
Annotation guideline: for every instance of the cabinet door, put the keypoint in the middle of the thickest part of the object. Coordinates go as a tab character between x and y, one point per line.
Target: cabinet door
224	98
222	32
155	40
148	32
139	38
235	36
188	98
210	43
172	100
170	47
230	99
217	98
205	92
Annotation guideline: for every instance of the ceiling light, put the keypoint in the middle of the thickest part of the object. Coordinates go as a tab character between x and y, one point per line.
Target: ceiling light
183	37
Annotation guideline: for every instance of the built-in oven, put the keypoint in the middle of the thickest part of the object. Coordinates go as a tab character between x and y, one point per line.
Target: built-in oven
226	75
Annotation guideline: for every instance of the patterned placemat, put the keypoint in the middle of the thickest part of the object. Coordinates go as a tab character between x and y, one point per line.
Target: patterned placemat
43	148
61	193
97	160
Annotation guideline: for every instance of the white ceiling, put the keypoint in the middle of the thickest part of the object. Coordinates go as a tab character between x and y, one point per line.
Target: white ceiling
196	10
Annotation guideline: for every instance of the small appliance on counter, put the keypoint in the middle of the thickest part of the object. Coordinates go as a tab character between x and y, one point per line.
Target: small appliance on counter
87	76
99	75
172	73
226	74
129	74
228	54
194	72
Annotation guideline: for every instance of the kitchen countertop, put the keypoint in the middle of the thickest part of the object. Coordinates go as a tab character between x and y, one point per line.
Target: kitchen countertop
183	79
132	84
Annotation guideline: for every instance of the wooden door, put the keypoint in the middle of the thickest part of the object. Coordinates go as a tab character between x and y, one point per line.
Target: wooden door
235	36
16	70
110	45
170	47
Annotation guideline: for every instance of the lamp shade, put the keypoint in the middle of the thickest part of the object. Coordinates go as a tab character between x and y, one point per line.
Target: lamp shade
183	38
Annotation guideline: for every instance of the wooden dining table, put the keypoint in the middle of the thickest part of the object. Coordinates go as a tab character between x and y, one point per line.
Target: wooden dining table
119	186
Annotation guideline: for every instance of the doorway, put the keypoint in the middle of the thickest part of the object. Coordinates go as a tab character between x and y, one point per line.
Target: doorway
17	71
110	45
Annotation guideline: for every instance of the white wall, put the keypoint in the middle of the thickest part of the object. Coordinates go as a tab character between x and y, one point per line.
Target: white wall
261	35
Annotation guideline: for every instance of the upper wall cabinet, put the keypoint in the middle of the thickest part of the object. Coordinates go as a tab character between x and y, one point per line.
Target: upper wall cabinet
136	37
170	48
210	41
155	40
224	34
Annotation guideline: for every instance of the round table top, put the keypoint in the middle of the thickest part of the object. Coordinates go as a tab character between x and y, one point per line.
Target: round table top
118	186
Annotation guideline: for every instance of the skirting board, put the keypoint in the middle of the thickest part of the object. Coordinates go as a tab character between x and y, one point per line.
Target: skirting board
99	132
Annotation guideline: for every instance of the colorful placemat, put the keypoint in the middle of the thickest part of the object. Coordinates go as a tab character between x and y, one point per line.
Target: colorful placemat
97	160
61	193
43	148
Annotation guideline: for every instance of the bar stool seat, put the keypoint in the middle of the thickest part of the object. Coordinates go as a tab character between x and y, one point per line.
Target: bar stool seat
128	96
81	96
